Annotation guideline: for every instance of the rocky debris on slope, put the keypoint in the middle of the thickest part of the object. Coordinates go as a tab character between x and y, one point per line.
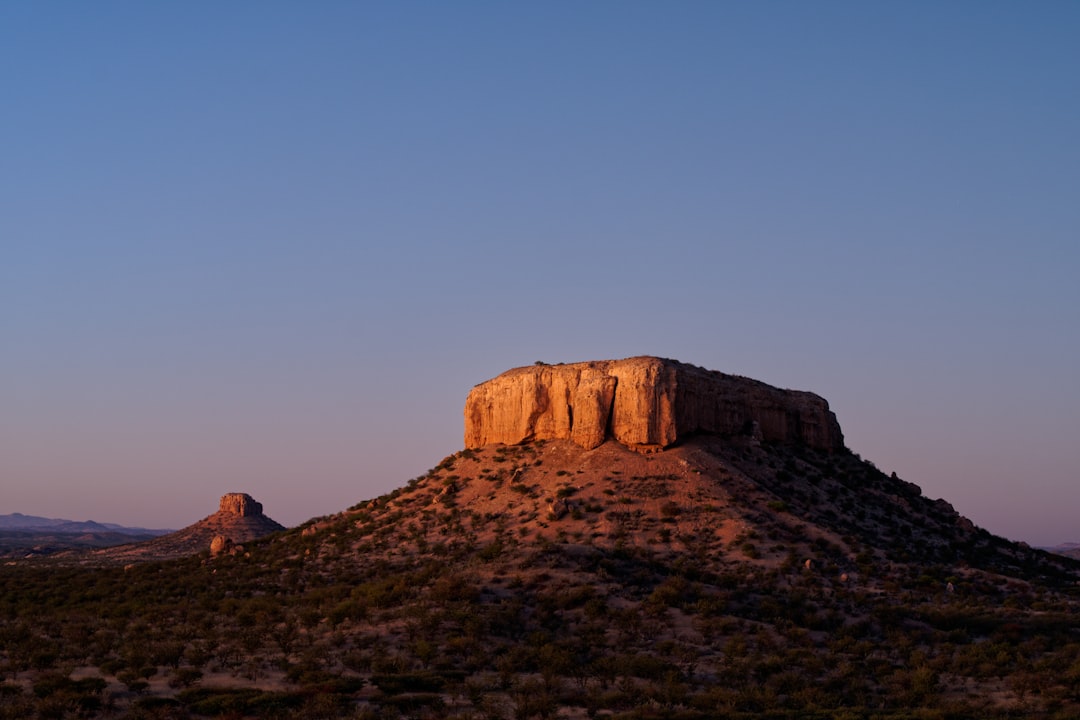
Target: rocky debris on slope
222	545
645	403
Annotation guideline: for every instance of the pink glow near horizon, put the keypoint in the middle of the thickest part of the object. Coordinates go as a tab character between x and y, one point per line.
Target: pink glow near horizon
269	249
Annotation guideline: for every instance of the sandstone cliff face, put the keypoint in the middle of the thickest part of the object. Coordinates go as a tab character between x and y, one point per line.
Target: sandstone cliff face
645	403
240	504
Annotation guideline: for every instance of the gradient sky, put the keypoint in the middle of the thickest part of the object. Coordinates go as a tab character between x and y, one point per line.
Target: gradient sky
269	247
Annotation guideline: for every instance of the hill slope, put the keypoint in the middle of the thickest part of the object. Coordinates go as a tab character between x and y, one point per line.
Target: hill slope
238	520
18	521
726	575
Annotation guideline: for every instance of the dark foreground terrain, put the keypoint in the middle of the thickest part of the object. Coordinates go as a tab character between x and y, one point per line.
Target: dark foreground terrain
716	579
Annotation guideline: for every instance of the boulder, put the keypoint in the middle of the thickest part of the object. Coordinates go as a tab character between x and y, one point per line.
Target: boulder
220	545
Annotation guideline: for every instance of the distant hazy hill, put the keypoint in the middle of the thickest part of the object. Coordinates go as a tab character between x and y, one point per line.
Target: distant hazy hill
1067	549
18	521
22	535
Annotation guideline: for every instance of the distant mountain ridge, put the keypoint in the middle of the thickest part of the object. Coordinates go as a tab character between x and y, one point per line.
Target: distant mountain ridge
19	521
1069	549
32	536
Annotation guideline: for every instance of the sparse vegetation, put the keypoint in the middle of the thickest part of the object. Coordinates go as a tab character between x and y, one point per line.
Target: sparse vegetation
819	589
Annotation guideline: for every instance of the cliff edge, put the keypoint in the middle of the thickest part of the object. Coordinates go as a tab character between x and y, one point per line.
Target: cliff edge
644	403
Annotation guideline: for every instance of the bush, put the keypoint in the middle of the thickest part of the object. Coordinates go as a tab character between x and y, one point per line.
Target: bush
185	677
411	702
397	683
245	701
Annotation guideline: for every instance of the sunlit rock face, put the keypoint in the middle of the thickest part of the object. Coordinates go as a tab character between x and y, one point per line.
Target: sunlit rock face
240	504
645	403
220	545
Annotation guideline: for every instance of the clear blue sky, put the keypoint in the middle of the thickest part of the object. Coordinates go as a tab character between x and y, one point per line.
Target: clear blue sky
269	247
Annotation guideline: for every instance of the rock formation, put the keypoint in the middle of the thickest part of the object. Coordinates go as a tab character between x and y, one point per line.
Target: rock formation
645	403
240	504
239	519
220	545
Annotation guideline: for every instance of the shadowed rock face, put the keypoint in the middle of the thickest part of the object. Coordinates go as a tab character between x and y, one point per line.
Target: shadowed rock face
645	403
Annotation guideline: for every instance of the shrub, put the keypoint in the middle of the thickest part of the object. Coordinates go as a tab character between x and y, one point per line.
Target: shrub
397	683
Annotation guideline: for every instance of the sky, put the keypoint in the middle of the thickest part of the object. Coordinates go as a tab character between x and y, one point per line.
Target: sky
269	247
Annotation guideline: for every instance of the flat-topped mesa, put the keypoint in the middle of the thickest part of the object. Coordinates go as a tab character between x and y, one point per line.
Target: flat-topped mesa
240	504
645	403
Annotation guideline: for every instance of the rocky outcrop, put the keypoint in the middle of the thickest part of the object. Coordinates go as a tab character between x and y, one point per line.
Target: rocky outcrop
220	545
645	403
240	504
239	519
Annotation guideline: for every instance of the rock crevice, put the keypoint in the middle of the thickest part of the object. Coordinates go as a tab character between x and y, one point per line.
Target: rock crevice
645	403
